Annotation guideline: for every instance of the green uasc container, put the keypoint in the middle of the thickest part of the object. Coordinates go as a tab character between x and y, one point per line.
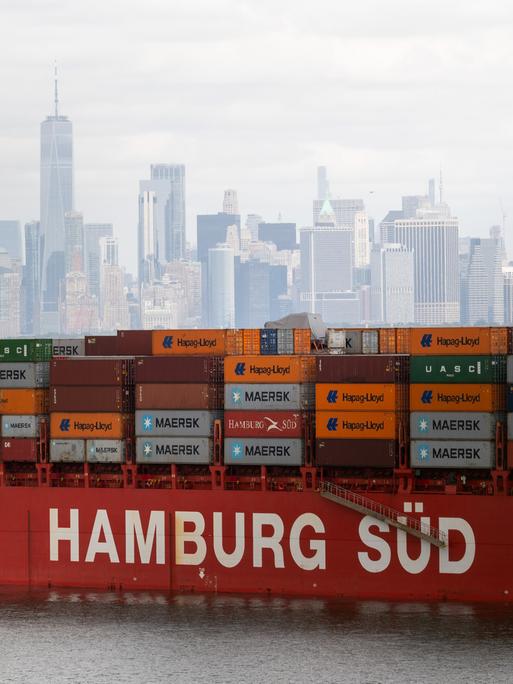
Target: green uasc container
458	369
25	350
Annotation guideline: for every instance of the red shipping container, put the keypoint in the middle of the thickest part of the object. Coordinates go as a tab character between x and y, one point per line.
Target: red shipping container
89	371
134	342
179	396
19	449
356	453
263	424
181	369
102	345
109	399
356	368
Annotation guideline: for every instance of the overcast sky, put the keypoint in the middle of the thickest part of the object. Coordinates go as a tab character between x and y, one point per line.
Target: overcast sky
254	95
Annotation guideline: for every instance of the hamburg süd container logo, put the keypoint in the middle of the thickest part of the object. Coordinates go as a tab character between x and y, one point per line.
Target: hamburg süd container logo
332	424
240	368
147	423
167	342
65	425
332	396
423	453
423	424
236	395
426	340
272	425
427	397
236	450
147	449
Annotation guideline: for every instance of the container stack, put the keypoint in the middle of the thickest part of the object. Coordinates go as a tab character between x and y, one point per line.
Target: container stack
509	409
361	407
456	397
178	400
24	372
91	407
266	398
350	341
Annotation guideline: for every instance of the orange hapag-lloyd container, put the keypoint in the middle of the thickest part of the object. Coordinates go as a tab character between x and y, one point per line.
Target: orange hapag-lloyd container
180	342
272	369
458	341
23	401
65	425
356	424
468	397
356	397
394	340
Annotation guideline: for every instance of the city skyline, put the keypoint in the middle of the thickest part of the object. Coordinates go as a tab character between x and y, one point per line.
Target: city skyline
258	105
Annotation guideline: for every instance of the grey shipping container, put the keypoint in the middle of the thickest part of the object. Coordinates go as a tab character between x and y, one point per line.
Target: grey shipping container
175	423
452	454
22	426
24	375
263	451
68	347
67	450
272	397
105	450
174	450
509	369
453	425
353	341
285	344
510	426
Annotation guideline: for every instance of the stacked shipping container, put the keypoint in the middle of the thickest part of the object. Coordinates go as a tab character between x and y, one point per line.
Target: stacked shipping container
456	396
91	407
178	400
266	398
24	369
361	404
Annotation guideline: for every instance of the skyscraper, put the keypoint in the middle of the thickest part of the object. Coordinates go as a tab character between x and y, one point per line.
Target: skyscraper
93	234
283	235
167	183
74	242
10	238
392	298
484	282
323	186
230	202
31	279
148	262
56	198
221	287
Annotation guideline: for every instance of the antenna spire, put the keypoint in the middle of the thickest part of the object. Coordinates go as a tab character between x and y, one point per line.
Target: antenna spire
56	90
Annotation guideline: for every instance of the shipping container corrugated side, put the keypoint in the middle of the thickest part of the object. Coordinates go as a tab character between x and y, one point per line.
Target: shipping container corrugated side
108	399
263	424
176	423
134	342
454	425
25	375
446	397
178	396
357	424
266	451
181	369
188	450
67	451
470	340
105	450
22	426
23	402
19	449
18	350
68	346
385	368
91	371
458	369
271	369
359	397
269	397
202	342
356	453
472	454
68	425
101	345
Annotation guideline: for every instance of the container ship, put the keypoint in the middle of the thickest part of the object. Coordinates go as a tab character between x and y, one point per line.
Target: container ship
363	463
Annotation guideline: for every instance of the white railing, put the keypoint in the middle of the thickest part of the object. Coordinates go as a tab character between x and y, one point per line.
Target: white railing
385	511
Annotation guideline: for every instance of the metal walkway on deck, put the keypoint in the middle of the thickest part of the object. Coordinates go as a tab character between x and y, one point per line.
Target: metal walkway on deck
366	506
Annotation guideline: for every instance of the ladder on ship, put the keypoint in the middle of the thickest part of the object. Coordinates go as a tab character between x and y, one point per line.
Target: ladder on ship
366	506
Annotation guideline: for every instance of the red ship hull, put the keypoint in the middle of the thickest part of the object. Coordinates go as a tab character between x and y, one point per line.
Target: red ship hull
268	542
